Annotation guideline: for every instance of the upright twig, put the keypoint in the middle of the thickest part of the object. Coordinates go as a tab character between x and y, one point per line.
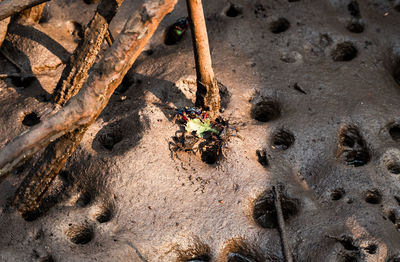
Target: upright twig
11	7
31	191
207	94
105	77
281	224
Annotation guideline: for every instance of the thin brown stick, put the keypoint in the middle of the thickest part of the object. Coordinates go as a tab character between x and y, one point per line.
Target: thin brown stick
31	191
105	77
11	7
281	224
207	95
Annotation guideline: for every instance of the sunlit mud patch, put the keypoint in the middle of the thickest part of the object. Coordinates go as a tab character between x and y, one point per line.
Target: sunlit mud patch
264	212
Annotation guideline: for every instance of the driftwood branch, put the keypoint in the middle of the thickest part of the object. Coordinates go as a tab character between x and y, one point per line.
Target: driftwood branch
31	191
207	94
85	107
281	224
11	7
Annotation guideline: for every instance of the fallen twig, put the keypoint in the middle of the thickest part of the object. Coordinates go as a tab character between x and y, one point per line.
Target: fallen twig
105	77
11	7
281	224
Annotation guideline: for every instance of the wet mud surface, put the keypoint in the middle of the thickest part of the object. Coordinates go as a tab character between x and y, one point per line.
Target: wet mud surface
314	91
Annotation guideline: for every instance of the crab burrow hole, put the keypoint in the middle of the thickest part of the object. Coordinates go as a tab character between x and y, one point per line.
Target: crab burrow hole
233	10
104	213
280	25
31	119
373	196
393	165
394	131
197	252
237	250
355	26
345	51
337	194
371	249
282	139
264	212
352	148
266	110
80	234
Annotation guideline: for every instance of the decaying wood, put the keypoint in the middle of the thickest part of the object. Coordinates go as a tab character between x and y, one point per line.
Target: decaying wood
207	94
75	73
31	191
11	7
85	107
33	14
281	224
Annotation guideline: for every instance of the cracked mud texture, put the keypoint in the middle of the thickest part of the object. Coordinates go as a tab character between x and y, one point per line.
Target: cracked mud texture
293	66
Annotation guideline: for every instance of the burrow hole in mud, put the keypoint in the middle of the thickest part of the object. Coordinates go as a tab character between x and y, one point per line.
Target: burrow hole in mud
264	212
354	9
371	249
291	1
266	110
394	131
198	252
110	138
104	214
393	166
279	26
282	139
31	119
236	250
84	199
337	194
80	234
48	258
352	148
373	196
233	10
355	27
394	217
176	32
345	51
